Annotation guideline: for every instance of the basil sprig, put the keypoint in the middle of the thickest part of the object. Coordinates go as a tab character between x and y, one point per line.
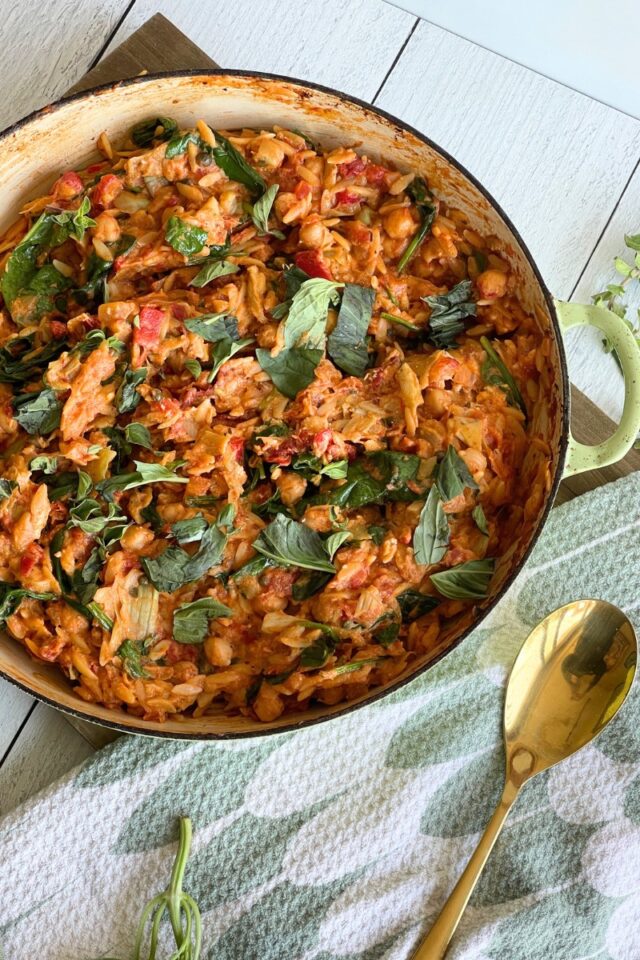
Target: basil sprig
143	474
453	476
448	310
431	535
466	581
175	567
261	210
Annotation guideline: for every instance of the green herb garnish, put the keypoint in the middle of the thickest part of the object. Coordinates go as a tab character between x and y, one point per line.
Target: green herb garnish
466	581
185	237
453	476
421	196
190	620
290	543
431	535
347	343
495	372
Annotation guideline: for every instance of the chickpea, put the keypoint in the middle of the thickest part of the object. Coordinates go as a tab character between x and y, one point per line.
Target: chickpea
492	284
136	538
475	461
291	487
228	201
107	228
269	153
218	651
283	202
399	224
268	704
313	235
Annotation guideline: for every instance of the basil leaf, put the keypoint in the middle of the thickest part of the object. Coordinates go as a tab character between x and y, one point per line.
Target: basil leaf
448	310
262	209
131	653
294	277
85	578
189	531
178	144
19	362
496	373
235	166
175	567
291	370
194	367
306	323
138	434
127	397
97	270
347	343
61	485
361	488
190	620
480	520
38	413
414	604
357	664
431	535
143	474
253	568
223	351
292	544
311	466
452	475
466	581
309	584
213	327
317	653
6	488
12	595
88	516
151	516
184	237
336	540
419	192
85	484
48	465
146	131
213	270
377	534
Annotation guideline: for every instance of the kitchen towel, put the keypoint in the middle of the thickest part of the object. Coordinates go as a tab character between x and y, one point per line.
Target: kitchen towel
342	841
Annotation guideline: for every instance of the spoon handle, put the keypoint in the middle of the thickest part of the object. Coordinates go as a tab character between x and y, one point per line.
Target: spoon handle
435	944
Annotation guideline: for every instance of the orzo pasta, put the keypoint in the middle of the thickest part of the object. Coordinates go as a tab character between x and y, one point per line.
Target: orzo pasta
266	410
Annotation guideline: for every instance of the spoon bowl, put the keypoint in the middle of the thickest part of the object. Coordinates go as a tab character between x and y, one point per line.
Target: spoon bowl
570	678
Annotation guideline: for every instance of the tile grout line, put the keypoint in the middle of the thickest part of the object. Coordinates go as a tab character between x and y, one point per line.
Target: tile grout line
18	732
395	60
636	168
105	46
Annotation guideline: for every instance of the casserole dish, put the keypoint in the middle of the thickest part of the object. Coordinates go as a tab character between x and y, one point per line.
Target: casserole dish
61	136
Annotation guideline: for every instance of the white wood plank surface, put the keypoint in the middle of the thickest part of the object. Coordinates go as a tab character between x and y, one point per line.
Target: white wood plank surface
558	162
348	44
47	748
47	46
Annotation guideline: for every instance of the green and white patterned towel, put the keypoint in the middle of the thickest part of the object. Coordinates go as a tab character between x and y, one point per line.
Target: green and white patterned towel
341	842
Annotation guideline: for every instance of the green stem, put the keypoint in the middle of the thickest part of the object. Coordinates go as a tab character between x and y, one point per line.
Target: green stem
177	874
428	216
400	321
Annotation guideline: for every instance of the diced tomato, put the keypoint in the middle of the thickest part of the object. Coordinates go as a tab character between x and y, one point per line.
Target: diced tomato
91	323
352	169
181	651
179	311
347	198
32	555
106	190
237	445
313	263
95	167
279	582
321	441
67	186
357	232
282	454
375	174
147	333
302	190
58	329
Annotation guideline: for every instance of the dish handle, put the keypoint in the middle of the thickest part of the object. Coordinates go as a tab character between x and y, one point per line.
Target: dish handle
581	456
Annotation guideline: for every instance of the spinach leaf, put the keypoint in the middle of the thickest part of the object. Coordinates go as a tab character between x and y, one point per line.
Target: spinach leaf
292	370
419	192
158	128
212	271
357	664
496	373
223	351
190	620
311	467
309	584
317	653
235	166
48	465
178	144
85	578
448	310
414	604
480	520
378	477
397	471
431	535
360	488
131	653
12	595
452	475
262	209
98	268
306	322
61	485
253	568
377	534
466	581
293	544
214	327
184	237
347	343
143	474
127	397
88	516
6	488
38	413
189	531
19	362
175	567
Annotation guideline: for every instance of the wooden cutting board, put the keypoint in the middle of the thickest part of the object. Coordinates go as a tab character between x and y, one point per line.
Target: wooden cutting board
158	45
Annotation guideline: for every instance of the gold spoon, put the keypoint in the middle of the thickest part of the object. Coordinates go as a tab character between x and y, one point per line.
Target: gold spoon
569	680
